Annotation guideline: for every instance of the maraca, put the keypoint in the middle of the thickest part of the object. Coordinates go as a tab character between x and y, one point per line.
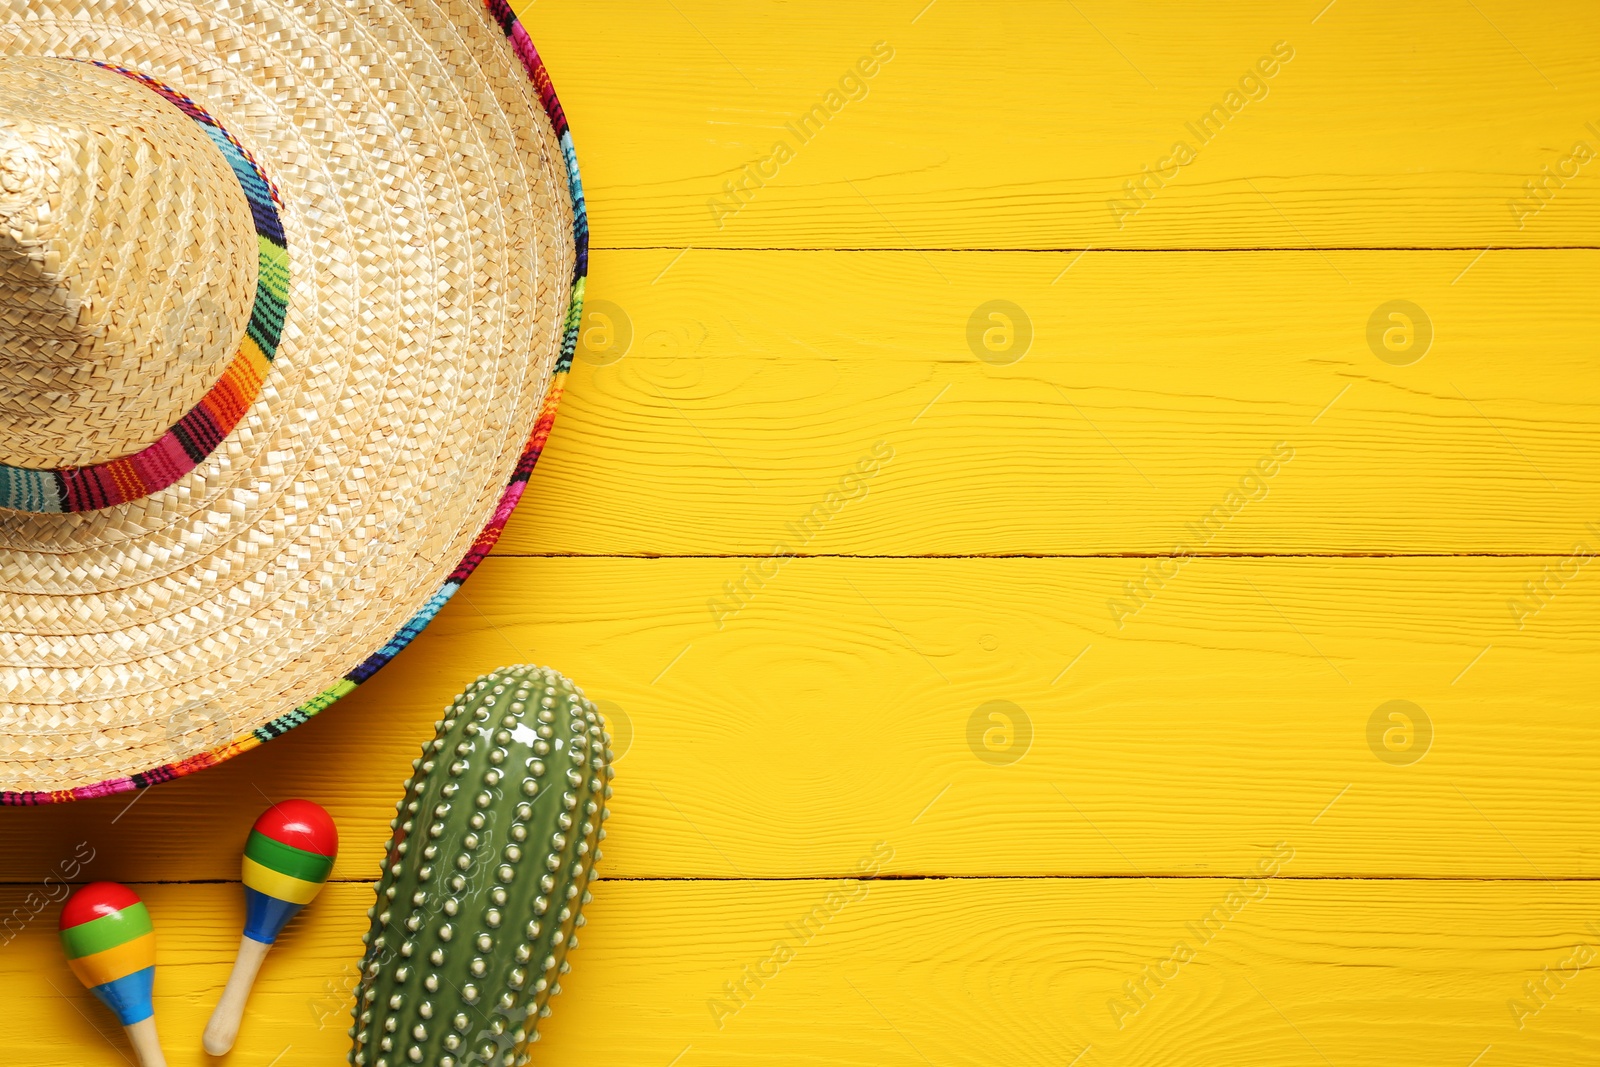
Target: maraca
111	947
286	859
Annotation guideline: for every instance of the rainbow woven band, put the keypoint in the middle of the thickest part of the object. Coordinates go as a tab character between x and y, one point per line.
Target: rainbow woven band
114	957
486	537
197	434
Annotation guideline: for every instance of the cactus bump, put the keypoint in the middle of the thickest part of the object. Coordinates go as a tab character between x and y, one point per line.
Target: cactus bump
485	877
287	858
111	947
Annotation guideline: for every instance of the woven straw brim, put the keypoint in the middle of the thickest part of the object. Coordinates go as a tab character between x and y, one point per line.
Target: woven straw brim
436	247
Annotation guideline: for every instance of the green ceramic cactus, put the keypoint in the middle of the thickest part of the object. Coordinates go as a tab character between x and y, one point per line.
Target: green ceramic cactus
494	844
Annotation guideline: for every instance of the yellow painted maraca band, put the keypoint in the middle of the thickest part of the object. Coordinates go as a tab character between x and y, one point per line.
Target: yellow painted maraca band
278	885
116	962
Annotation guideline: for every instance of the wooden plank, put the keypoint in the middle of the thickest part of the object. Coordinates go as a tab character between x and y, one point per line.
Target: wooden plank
1281	972
845	703
755	382
1020	125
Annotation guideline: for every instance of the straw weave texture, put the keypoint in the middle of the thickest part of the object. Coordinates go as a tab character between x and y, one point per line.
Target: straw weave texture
101	172
435	239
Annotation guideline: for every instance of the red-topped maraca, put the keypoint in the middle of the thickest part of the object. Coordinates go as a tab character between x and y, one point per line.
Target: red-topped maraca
111	947
287	857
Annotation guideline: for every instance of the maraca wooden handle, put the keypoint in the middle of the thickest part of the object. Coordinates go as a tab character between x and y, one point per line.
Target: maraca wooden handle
287	857
223	1029
142	1036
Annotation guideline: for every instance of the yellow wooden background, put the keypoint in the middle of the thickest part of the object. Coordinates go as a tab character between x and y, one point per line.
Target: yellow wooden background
836	716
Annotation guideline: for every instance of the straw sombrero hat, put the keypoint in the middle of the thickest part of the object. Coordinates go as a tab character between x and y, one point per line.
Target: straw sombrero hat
288	290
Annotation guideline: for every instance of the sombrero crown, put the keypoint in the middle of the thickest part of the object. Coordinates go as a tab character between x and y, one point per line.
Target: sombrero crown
142	284
287	293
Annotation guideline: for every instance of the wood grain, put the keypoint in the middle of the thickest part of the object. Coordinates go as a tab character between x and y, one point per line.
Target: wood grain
834	709
1012	126
803	637
755	381
967	972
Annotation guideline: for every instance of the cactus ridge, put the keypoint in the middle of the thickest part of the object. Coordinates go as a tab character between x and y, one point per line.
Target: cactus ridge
485	876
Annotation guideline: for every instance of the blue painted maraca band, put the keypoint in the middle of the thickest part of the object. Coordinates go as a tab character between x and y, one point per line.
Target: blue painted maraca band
129	996
265	916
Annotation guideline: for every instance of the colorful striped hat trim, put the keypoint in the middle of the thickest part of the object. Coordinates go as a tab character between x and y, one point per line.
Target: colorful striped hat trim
197	434
534	66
